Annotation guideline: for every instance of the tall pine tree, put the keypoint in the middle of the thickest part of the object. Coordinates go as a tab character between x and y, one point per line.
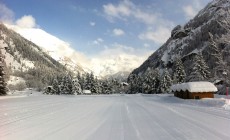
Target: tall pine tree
76	87
200	70
155	81
166	82
56	87
217	57
133	85
179	72
3	89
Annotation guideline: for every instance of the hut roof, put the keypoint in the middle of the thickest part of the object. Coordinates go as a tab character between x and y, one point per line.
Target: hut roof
195	87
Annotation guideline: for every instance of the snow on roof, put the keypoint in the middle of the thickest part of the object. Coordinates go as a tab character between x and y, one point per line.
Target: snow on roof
87	91
124	83
195	87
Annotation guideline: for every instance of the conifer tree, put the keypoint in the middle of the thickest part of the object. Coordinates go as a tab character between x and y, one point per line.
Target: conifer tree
97	86
67	85
88	82
80	80
106	87
200	70
147	81
56	86
179	72
76	87
216	57
155	81
3	89
204	68
166	82
93	84
139	82
132	81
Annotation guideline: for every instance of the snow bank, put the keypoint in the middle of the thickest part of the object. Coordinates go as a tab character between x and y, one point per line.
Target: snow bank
15	80
195	87
227	104
24	93
219	102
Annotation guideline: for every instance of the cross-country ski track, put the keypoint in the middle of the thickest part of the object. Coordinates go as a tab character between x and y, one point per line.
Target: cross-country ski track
110	117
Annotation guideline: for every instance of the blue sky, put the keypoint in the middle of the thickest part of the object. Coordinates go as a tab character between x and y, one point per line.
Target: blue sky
136	27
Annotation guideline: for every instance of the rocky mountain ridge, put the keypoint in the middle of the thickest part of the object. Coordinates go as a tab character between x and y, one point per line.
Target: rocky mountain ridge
211	26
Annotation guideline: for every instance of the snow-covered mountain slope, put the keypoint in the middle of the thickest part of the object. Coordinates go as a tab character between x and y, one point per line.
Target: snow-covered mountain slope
120	76
115	64
195	38
53	46
24	57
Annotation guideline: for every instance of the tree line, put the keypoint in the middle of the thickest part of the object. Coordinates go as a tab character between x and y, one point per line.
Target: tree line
70	84
154	81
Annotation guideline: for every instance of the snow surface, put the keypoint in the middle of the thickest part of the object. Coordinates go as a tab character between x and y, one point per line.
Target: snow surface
195	87
111	117
13	80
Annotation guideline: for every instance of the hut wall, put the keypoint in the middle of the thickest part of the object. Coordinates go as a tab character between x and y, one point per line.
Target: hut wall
182	94
201	95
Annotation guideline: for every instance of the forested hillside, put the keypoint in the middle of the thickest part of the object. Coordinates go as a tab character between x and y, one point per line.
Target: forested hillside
27	60
202	45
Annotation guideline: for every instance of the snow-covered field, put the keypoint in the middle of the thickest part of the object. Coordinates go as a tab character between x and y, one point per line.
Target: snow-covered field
112	117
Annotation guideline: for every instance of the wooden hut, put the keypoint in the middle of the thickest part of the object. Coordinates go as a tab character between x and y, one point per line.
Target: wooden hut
194	90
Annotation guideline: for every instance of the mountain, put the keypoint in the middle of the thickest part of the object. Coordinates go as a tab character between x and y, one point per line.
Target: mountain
73	66
120	76
27	60
210	27
58	49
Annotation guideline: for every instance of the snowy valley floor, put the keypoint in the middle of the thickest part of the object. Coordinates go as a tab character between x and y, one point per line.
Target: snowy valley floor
112	117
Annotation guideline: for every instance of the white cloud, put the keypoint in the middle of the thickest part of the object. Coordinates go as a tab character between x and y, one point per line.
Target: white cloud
126	10
118	32
192	9
146	45
98	41
92	23
27	21
123	9
159	36
190	12
6	15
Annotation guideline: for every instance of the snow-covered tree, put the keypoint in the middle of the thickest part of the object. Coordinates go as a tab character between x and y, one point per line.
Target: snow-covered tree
132	81
155	82
76	87
200	70
67	85
151	81
166	82
204	68
88	84
55	86
106	87
81	80
146	85
179	72
217	57
93	84
139	83
3	88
